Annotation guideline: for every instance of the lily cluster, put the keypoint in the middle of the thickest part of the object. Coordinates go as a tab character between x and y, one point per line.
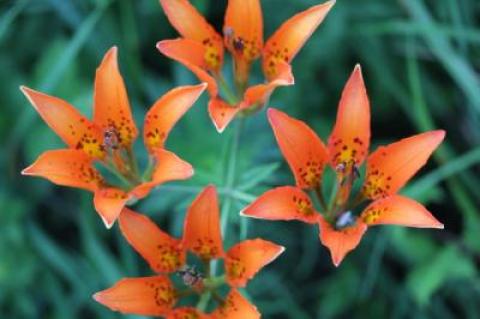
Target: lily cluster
166	255
107	141
343	221
201	49
99	157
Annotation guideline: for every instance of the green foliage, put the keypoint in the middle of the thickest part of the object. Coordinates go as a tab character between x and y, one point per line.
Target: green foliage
420	61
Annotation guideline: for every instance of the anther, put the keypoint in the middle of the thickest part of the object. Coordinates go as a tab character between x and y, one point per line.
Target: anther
111	139
344	220
190	276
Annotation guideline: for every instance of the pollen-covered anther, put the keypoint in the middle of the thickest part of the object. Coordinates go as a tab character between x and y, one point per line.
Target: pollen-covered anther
205	248
111	138
190	276
164	293
169	258
304	207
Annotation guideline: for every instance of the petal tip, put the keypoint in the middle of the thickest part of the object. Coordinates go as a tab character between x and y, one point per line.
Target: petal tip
441	134
219	127
28	92
108	224
27	171
97	297
202	85
273	114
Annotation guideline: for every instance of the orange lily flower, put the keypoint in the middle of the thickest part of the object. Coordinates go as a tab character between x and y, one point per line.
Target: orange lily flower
389	168
167	255
201	49
107	140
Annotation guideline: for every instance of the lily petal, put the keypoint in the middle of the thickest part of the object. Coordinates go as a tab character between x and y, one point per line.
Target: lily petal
72	127
111	107
67	168
285	43
302	148
222	113
169	167
109	202
236	307
399	210
243	34
348	144
391	166
260	93
166	111
148	296
246	258
186	313
201	233
190	53
192	25
283	203
162	252
340	242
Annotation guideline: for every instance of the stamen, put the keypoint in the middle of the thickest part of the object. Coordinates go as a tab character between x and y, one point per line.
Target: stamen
111	139
190	276
344	220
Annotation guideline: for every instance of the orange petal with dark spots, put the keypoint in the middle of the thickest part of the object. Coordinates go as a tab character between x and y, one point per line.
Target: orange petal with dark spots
340	242
243	34
169	167
147	296
302	148
390	167
186	313
348	144
109	202
162	252
165	113
246	258
283	203
260	93
201	233
191	54
193	26
67	168
399	210
285	43
235	307
111	106
72	127
222	113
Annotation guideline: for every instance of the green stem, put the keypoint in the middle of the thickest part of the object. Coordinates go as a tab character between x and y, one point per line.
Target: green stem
203	302
213	283
231	172
109	166
132	161
332	200
227	93
147	174
321	198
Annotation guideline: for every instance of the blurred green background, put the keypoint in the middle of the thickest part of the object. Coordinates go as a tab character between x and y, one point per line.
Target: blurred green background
420	61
